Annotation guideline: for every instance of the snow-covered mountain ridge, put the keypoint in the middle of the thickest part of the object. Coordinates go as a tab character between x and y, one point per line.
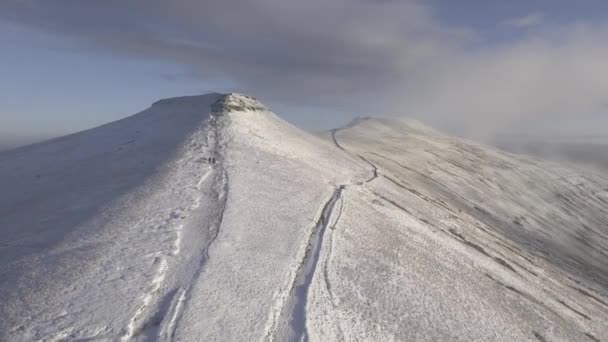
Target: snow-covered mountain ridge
210	218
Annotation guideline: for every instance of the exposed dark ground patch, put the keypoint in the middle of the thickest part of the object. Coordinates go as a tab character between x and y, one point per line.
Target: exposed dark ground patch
462	239
593	338
424	176
457	234
436	202
523	295
395	182
539	336
516	251
425	221
586	293
543	247
393	203
505	264
509	287
223	104
574	310
525	268
454	163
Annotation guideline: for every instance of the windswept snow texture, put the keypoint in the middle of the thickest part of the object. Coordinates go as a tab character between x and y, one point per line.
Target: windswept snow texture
457	241
208	218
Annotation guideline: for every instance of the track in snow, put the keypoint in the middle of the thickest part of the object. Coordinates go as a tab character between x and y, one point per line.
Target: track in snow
161	310
292	319
175	314
293	315
327	261
333	137
373	166
374	170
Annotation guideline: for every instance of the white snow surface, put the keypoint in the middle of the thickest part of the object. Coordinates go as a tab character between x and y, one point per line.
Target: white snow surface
208	218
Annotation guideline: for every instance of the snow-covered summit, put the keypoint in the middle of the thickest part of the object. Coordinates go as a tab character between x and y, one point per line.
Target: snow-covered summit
229	102
233	102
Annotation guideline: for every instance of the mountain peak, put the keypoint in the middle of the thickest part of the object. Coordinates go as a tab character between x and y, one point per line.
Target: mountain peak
234	102
228	102
402	124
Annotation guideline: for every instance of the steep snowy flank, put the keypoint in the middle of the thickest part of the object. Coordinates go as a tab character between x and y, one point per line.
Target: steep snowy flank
469	243
100	230
208	218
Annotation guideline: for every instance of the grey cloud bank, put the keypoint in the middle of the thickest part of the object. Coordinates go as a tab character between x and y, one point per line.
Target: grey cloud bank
370	57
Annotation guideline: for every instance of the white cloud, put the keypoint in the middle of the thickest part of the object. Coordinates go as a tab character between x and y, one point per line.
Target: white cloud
533	85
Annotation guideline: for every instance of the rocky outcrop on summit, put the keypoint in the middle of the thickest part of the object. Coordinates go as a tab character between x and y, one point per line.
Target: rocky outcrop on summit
236	102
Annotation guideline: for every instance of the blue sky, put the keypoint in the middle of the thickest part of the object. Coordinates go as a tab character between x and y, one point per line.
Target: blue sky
473	67
51	87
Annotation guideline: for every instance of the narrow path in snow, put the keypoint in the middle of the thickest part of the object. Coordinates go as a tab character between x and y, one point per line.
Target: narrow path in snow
333	137
178	269
220	194
327	261
373	166
184	299
296	314
292	319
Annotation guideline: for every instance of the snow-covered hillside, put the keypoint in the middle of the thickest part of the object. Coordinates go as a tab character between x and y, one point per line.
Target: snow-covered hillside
208	218
470	243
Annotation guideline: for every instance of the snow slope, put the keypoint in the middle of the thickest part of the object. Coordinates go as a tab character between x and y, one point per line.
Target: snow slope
470	243
208	218
106	234
92	222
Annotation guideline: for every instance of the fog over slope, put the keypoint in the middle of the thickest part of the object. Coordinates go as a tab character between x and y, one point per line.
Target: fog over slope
209	218
583	151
